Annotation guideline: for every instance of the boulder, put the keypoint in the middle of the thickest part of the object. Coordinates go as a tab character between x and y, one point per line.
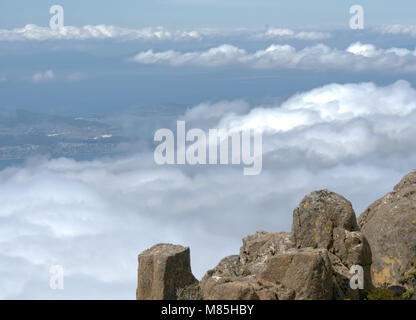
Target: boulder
389	225
163	270
307	272
287	275
226	282
315	219
326	220
259	246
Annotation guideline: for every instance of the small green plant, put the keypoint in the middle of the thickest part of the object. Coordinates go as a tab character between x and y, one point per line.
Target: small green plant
408	294
382	294
410	275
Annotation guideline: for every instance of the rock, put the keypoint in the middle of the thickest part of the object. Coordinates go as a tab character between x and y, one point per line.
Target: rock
311	263
327	220
389	225
351	247
262	244
342	277
163	270
229	290
226	282
397	290
315	219
288	275
191	292
308	272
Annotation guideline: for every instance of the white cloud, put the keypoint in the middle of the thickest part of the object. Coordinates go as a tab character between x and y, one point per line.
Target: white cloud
43	76
357	57
398	29
284	33
337	122
37	33
222	55
94	217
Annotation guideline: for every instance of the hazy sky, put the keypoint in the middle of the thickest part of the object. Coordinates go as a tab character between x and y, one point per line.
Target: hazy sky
206	13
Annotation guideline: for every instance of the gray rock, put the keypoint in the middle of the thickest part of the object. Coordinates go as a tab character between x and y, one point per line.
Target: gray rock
327	220
163	270
389	225
226	282
261	245
307	272
315	219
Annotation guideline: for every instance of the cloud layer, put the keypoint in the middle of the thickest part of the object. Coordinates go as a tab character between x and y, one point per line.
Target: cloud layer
284	33
337	123
398	29
37	33
357	57
94	217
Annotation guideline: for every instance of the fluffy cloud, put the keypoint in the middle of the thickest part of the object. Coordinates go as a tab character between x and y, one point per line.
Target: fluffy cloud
284	33
34	32
357	57
94	217
336	123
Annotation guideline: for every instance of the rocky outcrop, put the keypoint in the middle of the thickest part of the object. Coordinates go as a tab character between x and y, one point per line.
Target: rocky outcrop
164	269
389	224
311	262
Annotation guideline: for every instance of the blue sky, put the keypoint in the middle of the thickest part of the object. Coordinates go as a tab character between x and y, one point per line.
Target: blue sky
206	13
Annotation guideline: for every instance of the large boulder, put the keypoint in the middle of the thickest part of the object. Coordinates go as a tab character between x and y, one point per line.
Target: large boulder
318	215
389	225
163	270
326	220
308	272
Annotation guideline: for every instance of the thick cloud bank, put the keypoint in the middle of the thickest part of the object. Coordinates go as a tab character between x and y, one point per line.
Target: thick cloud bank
94	217
357	57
